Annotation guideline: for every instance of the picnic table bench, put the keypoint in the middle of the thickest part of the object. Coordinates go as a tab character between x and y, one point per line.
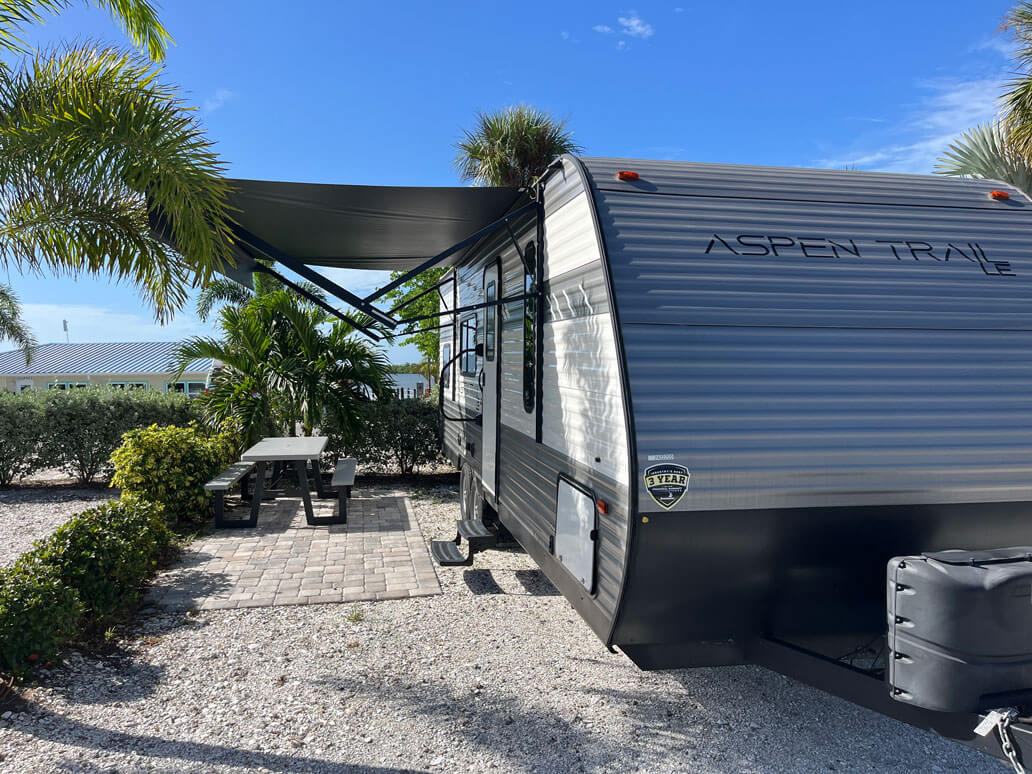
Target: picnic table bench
221	484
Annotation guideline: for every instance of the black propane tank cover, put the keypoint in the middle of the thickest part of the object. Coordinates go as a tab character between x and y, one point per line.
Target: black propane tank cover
960	629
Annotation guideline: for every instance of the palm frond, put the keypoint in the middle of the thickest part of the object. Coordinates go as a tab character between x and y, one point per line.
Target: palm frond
986	152
12	327
218	292
513	146
93	150
138	18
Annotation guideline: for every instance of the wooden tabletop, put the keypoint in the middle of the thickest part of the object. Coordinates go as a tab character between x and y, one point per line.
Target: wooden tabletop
285	449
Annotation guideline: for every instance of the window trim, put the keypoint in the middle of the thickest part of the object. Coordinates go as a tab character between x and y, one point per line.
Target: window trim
469	322
170	386
490	321
530	330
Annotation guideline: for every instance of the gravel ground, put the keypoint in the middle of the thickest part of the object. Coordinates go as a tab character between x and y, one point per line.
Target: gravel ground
497	674
28	513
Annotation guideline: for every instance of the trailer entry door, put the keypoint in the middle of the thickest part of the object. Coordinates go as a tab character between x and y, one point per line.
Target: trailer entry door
489	447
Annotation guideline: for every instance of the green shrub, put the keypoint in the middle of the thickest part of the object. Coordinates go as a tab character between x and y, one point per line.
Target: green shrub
170	466
39	613
399	435
105	554
81	428
21	417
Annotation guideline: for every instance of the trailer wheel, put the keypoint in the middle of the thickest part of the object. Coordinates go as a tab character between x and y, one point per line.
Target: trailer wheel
471	499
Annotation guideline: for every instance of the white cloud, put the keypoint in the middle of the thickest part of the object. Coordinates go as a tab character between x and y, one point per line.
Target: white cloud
217	100
98	323
564	35
679	10
621	45
1004	46
914	142
635	27
605	29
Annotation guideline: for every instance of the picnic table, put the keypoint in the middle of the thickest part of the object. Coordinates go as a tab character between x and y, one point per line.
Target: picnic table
295	453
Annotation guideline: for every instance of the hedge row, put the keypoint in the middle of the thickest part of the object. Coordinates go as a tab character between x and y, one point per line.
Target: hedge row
77	430
77	582
397	436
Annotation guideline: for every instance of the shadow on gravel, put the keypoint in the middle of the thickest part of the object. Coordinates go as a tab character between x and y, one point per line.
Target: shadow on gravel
72	733
481	582
56	494
121	679
737	719
531	739
536	583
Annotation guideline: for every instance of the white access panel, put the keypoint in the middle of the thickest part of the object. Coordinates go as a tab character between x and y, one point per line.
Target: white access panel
574	532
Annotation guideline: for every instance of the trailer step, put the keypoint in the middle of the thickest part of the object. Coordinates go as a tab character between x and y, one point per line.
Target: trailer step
477	534
447	554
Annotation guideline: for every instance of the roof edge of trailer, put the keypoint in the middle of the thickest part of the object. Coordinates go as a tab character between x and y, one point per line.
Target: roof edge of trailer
804	184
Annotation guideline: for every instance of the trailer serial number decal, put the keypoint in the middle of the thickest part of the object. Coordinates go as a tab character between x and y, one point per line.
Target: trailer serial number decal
820	247
666	484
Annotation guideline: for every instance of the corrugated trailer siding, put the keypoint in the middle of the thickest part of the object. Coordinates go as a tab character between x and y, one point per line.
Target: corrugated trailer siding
824	379
671	267
767	417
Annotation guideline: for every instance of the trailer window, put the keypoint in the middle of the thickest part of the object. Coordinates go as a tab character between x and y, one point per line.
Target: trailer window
490	318
445	363
468	341
529	331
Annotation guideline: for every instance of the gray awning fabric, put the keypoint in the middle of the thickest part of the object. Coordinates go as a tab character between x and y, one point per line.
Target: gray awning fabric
361	226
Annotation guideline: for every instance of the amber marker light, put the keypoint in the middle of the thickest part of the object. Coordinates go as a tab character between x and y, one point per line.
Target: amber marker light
602	506
626	174
999	195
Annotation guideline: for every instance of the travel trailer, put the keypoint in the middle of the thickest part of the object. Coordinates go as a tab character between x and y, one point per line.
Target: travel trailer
735	414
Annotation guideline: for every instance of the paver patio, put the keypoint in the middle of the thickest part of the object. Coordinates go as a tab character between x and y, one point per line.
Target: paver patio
379	554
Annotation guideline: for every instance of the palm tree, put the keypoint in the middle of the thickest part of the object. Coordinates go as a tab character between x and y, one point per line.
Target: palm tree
513	146
94	151
12	327
987	152
282	366
222	291
1018	98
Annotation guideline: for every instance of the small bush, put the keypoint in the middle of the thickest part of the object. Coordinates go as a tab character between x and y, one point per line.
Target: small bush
21	417
399	435
105	554
81	428
39	613
170	466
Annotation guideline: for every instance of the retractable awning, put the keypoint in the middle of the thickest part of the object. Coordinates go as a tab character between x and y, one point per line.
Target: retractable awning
363	226
304	225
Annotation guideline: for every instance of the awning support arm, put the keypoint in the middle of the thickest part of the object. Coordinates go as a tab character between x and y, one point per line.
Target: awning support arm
316	300
429	264
468	308
418	296
296	266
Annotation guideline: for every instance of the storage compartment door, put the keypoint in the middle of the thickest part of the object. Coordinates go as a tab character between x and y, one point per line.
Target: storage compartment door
576	531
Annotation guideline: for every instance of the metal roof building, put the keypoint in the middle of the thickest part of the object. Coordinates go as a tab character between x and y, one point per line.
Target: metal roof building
145	364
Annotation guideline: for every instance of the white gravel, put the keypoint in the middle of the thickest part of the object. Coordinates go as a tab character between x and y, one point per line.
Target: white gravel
497	675
28	513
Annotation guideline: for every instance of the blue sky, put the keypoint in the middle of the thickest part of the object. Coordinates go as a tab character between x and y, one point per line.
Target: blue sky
376	93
